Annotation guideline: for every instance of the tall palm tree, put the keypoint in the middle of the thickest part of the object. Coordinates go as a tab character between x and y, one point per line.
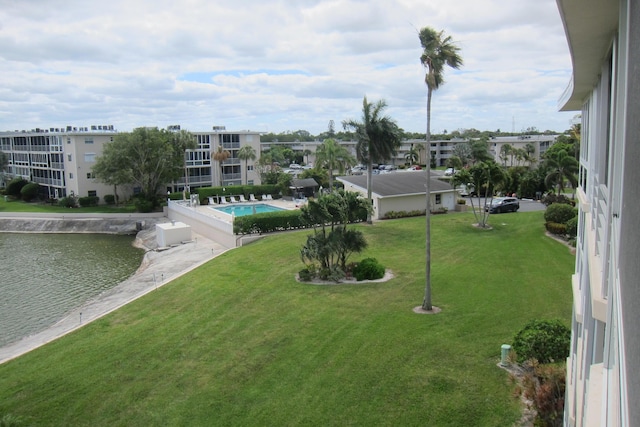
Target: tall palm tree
413	155
438	50
220	156
246	153
184	140
332	156
378	138
562	167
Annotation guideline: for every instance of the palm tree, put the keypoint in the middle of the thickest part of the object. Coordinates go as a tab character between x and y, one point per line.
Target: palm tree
378	138
246	153
438	50
562	167
220	156
183	141
332	156
413	155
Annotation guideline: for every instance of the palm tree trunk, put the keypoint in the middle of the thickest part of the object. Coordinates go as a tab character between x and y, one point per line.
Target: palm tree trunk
369	200
426	303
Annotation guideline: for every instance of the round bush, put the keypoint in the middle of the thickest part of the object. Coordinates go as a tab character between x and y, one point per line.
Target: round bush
368	269
572	227
15	186
560	213
546	341
29	191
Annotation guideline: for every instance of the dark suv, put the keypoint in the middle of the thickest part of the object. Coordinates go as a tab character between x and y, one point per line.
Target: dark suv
503	204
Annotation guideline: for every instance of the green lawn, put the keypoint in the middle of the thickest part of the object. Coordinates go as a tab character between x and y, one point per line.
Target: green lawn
239	342
20	206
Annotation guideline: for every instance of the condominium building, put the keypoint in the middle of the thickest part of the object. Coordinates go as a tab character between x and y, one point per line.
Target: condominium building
603	378
60	159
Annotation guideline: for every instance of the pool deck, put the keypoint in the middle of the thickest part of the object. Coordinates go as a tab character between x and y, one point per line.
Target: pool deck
210	210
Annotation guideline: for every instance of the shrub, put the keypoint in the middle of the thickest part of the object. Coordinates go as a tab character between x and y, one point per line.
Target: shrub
15	186
110	199
555	228
368	269
29	191
551	198
572	227
68	202
543	340
88	201
544	386
560	213
144	205
268	222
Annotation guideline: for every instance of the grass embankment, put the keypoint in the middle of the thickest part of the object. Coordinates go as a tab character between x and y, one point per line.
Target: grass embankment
239	342
20	206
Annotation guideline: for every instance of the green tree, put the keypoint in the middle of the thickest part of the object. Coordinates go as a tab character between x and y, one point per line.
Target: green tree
220	156
146	157
184	140
4	164
506	150
438	50
333	156
413	155
246	153
378	138
462	150
562	167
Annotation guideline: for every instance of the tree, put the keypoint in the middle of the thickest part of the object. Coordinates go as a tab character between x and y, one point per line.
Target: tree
183	141
462	150
220	156
4	164
145	158
332	156
505	151
378	138
438	50
484	177
562	167
413	155
246	153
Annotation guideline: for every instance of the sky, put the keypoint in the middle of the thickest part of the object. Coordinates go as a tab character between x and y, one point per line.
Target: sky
278	65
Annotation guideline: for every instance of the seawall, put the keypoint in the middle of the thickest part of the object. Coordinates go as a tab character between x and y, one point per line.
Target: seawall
77	223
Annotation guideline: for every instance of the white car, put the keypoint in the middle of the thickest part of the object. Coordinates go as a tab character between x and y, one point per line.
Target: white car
449	172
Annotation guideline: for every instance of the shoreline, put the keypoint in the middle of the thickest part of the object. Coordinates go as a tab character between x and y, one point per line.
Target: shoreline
157	268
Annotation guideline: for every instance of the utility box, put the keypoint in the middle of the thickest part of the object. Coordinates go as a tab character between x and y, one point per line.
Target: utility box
172	233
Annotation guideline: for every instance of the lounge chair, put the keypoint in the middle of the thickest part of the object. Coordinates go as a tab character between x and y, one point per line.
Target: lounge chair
211	201
252	198
233	199
269	197
223	200
242	199
264	197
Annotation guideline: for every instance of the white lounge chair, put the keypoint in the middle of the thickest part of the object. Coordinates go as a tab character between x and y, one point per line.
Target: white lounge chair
264	197
223	200
242	199
269	197
252	198
212	201
233	199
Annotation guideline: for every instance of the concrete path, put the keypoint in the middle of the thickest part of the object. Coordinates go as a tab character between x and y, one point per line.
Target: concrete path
158	268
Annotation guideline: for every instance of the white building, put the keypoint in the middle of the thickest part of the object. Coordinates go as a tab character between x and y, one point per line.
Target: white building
60	159
603	374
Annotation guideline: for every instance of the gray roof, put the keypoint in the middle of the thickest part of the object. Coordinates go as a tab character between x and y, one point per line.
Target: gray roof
398	183
304	183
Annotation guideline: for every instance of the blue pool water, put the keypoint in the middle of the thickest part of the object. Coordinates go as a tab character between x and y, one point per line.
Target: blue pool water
242	210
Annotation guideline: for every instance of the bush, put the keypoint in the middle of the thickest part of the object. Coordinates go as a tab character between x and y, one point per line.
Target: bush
144	205
29	191
110	199
67	202
555	228
572	227
15	186
268	222
551	198
88	201
368	269
560	213
543	340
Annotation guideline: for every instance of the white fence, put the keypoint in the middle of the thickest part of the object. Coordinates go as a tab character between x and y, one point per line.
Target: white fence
213	228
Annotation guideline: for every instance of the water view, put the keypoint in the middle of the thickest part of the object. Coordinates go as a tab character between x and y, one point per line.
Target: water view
44	276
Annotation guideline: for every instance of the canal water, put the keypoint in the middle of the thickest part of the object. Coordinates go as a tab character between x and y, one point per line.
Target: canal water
44	276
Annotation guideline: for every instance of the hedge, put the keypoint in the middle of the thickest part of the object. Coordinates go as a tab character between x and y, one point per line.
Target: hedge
269	222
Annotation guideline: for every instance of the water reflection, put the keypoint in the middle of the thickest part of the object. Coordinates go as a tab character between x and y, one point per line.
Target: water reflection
44	276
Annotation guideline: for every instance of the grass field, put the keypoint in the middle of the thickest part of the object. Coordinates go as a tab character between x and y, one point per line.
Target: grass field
239	342
20	206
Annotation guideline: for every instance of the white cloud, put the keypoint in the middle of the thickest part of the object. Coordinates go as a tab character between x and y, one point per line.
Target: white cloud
276	66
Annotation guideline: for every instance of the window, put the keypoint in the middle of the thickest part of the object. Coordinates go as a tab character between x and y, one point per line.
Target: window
69	157
70	175
438	199
91	175
93	193
250	167
89	157
88	140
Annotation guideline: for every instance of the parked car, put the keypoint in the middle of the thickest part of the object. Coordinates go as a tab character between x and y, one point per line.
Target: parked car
503	204
449	172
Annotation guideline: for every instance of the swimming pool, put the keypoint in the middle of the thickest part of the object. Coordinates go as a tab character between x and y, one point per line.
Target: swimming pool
242	210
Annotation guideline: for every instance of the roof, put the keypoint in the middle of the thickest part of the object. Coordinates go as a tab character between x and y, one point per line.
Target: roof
590	26
398	183
303	183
